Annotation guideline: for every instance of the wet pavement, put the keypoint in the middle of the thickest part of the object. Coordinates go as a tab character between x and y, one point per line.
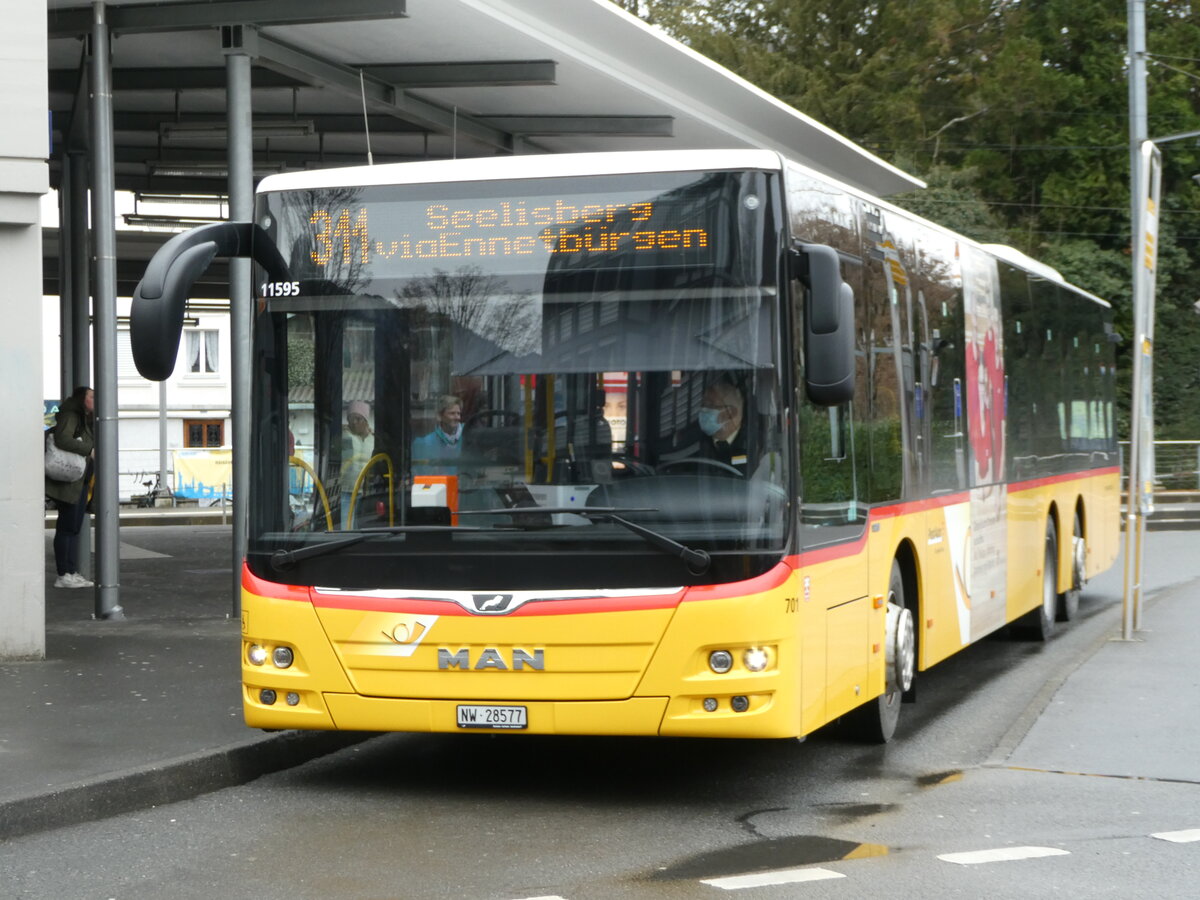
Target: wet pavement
126	715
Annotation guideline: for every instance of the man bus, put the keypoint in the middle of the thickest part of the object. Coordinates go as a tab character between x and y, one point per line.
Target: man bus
925	450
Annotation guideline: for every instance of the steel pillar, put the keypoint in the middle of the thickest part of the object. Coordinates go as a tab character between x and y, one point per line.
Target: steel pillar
241	207
105	498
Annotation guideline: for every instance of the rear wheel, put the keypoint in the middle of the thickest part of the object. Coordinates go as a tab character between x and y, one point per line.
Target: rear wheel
875	721
1068	600
1038	624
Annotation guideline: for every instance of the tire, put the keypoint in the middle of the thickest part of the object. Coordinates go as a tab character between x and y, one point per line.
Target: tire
1068	600
875	721
1038	624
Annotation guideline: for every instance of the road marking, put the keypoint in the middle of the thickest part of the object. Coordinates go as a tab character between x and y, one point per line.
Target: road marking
1179	837
1000	854
779	876
129	551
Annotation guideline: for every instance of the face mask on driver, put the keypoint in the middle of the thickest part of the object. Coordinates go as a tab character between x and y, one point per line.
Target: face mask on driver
709	420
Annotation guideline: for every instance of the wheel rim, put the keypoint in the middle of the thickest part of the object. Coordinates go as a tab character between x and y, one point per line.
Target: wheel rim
1077	562
1049	584
901	649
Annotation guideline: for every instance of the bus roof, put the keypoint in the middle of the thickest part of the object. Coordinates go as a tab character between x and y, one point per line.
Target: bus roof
554	165
1016	258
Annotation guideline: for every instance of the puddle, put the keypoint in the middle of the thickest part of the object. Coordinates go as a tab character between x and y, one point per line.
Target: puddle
940	778
849	812
763	856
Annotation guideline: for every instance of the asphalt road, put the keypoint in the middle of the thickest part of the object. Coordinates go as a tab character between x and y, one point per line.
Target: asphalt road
493	816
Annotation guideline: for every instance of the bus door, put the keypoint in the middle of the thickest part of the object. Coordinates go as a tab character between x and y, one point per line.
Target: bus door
835	607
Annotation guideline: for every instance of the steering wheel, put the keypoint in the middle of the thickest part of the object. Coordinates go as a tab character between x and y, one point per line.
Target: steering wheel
700	461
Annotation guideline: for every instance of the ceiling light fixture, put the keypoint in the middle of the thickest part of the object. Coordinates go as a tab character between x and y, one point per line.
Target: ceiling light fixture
149	221
205	130
183	169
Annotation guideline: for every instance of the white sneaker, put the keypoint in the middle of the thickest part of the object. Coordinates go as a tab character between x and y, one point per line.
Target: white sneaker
79	580
68	581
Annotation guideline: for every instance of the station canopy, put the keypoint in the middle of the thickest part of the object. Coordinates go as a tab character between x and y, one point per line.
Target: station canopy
407	80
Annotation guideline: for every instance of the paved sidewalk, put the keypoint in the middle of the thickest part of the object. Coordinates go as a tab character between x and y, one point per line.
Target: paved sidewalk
125	715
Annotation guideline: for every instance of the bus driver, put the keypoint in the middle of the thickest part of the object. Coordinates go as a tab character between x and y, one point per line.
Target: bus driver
718	433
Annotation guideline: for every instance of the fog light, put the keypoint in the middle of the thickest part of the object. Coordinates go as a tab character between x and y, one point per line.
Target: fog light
710	704
755	659
720	661
282	657
267	696
256	654
292	698
740	704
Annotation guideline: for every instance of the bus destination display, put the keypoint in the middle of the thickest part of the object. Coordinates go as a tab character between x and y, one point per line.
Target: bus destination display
501	229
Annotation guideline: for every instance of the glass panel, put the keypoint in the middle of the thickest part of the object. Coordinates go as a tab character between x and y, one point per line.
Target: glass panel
621	351
211	358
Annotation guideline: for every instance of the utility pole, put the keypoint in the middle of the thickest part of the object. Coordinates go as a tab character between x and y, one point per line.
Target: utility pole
1145	165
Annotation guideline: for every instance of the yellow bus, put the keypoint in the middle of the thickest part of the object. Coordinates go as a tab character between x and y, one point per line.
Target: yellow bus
687	443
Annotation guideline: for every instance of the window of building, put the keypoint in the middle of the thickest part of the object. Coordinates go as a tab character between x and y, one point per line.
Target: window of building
203	432
202	352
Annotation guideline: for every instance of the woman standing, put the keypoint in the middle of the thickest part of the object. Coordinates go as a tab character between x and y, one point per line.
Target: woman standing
74	432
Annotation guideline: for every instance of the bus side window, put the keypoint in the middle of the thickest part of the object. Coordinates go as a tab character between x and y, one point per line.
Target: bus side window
826	447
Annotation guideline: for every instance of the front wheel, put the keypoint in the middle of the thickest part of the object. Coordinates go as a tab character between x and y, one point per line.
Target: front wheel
875	721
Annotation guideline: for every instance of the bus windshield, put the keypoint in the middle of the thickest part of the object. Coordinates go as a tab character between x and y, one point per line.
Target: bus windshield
521	383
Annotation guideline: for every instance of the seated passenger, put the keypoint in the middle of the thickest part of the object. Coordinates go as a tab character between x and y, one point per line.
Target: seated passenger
437	453
358	446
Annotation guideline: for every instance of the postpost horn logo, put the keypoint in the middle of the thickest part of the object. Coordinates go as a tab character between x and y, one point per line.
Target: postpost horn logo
405	633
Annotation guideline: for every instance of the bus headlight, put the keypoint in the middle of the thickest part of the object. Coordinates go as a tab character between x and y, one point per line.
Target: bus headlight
256	655
282	657
755	659
720	661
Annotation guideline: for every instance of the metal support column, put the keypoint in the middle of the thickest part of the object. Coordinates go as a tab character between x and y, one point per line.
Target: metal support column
80	348
66	323
241	207
81	261
1138	133
108	587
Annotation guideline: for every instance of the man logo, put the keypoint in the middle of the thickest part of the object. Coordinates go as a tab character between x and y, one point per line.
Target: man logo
491	603
492	658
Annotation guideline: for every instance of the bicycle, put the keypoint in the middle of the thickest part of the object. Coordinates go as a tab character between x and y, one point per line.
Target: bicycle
154	490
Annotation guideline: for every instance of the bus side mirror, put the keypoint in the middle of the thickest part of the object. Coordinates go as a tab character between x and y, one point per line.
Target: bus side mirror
828	325
156	316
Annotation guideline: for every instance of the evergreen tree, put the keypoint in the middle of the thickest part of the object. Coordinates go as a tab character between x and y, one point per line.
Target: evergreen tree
1016	114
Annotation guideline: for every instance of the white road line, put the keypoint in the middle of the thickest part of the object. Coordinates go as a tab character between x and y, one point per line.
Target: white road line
1179	837
778	876
1000	854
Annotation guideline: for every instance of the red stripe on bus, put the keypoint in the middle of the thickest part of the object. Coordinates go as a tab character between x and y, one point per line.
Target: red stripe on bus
572	606
1059	479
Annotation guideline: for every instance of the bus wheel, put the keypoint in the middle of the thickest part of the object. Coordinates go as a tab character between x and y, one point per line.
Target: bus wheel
1038	624
1068	600
875	721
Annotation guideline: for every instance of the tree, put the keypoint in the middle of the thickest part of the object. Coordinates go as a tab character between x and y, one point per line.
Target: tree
1016	114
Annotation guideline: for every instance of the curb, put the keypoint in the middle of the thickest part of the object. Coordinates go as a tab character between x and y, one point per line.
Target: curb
177	516
168	782
1107	632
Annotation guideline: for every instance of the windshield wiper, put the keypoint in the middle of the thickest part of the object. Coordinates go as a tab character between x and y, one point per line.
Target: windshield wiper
697	561
285	559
